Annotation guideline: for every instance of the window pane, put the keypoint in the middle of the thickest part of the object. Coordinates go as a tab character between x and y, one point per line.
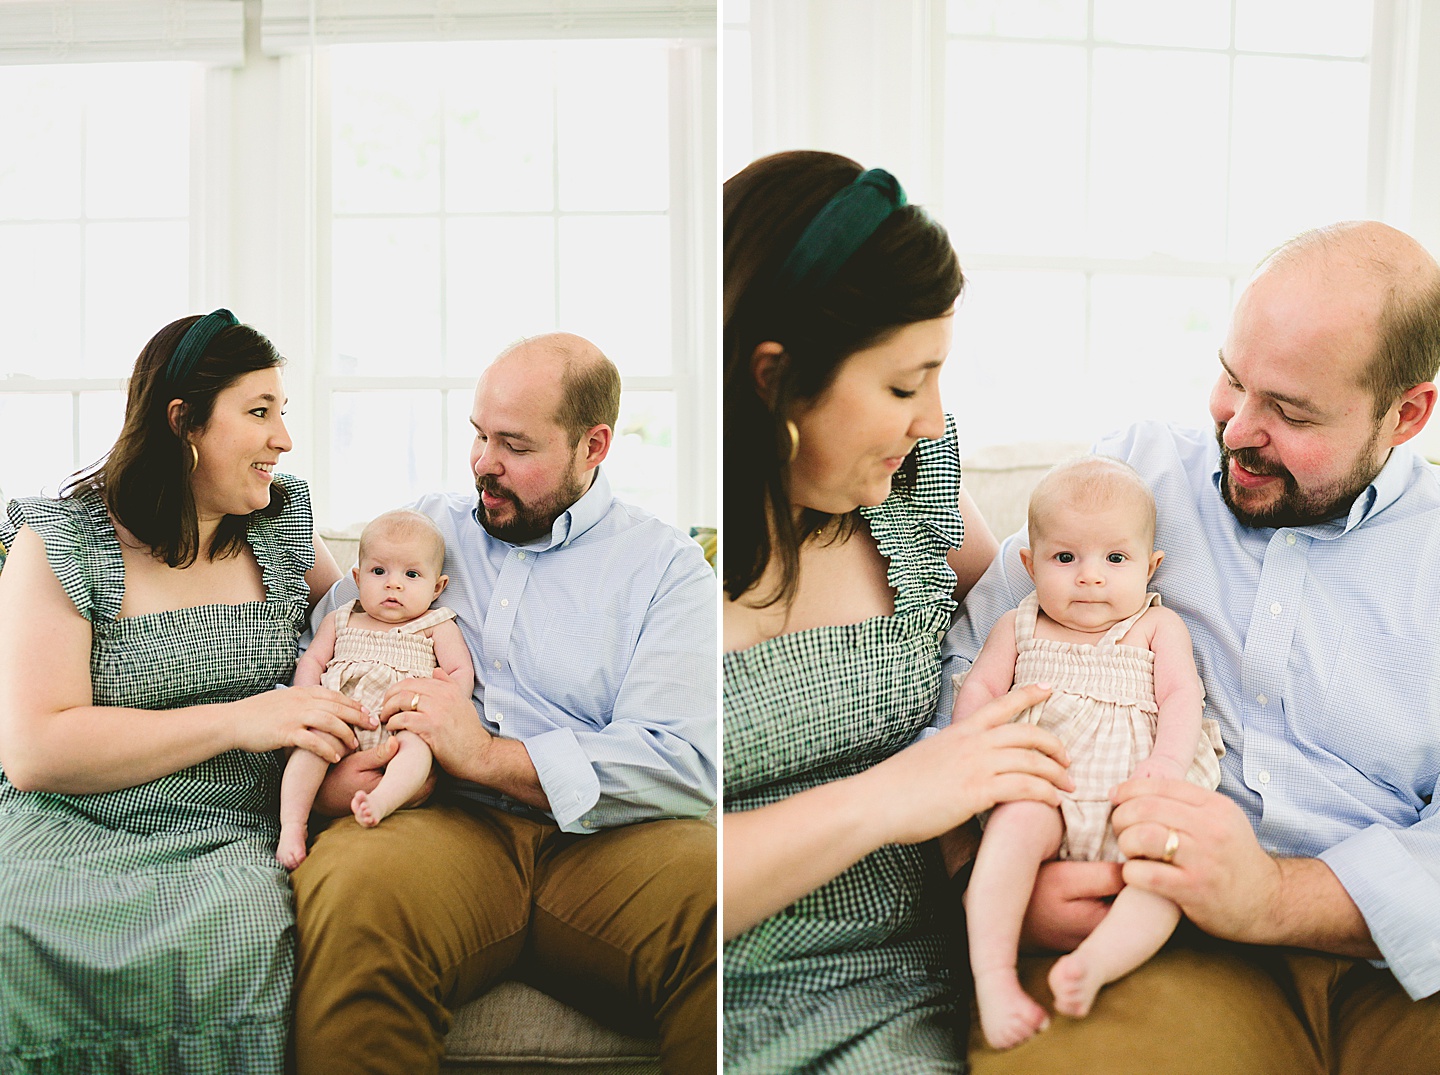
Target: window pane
385	128
41	299
641	463
499	156
1157	339
1018	18
614	125
1008	190
615	288
41	422
1202	24
384	452
1157	170
137	140
738	105
1332	27
459	436
137	280
386	302
101	416
1295	168
40	142
500	285
1018	336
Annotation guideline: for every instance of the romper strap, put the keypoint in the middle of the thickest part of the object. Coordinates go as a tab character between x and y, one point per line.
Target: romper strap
431	619
1025	616
342	614
1116	633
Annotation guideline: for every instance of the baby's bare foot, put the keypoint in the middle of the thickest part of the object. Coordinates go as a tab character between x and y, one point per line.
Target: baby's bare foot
291	850
365	811
1074	982
1008	1015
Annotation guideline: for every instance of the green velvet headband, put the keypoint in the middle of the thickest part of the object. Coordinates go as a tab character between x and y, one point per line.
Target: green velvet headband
841	228
192	345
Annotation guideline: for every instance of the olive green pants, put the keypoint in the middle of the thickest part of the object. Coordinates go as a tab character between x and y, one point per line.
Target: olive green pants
399	924
1209	1007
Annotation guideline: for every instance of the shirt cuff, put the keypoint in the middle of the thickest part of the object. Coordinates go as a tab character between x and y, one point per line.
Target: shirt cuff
567	777
1398	898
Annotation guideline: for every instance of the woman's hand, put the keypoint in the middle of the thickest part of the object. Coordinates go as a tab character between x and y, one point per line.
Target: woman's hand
316	719
966	768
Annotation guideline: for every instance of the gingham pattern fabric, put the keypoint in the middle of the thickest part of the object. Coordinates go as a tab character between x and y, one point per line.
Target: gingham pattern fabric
368	663
850	977
1103	710
150	929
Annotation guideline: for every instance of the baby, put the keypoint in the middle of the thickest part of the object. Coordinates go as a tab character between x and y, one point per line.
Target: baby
1126	701
391	633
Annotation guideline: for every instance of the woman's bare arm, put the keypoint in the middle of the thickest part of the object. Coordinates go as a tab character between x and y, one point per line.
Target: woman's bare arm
971	559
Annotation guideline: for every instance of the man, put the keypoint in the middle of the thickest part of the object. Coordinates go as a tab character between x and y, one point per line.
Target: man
592	626
1303	552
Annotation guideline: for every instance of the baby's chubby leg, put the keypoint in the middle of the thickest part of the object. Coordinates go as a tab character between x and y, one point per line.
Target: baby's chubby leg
403	778
304	773
1018	837
1136	927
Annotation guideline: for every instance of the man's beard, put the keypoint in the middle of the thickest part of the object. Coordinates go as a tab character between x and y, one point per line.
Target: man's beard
527	522
1295	507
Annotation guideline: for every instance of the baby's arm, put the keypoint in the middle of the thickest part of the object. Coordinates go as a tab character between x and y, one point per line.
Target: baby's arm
452	655
993	672
313	661
1179	696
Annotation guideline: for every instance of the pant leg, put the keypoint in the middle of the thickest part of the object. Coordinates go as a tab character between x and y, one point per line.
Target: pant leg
396	924
630	913
1207	1009
1380	1029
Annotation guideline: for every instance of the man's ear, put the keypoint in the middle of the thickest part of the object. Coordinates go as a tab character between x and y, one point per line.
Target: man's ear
767	364
1028	559
1155	558
1416	407
594	446
175	414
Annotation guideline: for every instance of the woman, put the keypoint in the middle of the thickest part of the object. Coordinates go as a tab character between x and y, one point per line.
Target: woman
847	554
144	617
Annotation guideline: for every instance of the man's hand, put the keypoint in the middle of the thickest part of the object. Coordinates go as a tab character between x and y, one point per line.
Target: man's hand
440	712
1067	903
1219	875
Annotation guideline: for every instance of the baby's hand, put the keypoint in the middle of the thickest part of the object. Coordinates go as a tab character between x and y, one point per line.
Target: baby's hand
1159	768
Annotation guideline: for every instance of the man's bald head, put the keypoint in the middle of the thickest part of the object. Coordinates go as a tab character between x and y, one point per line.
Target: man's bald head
588	384
1395	284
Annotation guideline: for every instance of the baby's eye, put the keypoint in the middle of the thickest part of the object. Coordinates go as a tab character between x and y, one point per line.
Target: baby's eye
377	571
412	574
1116	557
1065	557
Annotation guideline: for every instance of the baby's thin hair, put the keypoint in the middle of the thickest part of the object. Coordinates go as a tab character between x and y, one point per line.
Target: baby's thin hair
407	525
1091	483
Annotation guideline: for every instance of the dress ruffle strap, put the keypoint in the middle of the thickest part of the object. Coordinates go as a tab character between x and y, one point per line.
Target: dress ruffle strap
80	546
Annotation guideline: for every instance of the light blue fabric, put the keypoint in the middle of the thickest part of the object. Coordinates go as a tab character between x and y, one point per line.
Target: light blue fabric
1319	647
595	646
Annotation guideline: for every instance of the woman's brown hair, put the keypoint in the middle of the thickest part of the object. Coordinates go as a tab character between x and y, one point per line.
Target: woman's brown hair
903	273
145	478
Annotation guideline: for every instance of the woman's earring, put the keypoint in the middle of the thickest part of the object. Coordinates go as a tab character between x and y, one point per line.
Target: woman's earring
794	431
194	457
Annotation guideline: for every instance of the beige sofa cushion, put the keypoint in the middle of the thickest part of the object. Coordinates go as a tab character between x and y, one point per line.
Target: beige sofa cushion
1000	478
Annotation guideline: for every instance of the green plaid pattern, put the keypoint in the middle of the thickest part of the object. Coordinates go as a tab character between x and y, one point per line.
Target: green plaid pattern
150	929
850	977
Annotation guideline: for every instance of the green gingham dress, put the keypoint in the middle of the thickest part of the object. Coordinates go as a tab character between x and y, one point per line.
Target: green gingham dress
150	929
851	977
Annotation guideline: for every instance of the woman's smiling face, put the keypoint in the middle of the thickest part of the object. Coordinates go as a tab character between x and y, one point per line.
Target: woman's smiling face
855	435
239	446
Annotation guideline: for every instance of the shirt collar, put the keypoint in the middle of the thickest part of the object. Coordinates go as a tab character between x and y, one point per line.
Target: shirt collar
574	520
1384	489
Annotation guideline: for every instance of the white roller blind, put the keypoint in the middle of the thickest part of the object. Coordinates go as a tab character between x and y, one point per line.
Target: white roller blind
89	31
286	24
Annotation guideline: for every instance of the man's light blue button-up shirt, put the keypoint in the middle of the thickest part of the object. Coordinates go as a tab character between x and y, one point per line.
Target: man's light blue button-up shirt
1319	647
595	646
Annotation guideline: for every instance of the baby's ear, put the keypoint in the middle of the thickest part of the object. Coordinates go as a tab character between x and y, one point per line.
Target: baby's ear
1155	558
355	574
1028	559
440	584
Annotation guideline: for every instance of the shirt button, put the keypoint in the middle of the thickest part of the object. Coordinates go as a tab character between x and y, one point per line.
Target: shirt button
1289	539
1275	609
1264	775
497	664
520	554
1259	697
504	602
498	717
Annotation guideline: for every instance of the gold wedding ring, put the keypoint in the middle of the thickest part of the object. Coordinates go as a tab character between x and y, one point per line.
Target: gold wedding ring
1172	845
415	704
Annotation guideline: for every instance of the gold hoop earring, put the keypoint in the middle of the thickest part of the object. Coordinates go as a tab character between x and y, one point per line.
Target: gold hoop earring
794	432
194	457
